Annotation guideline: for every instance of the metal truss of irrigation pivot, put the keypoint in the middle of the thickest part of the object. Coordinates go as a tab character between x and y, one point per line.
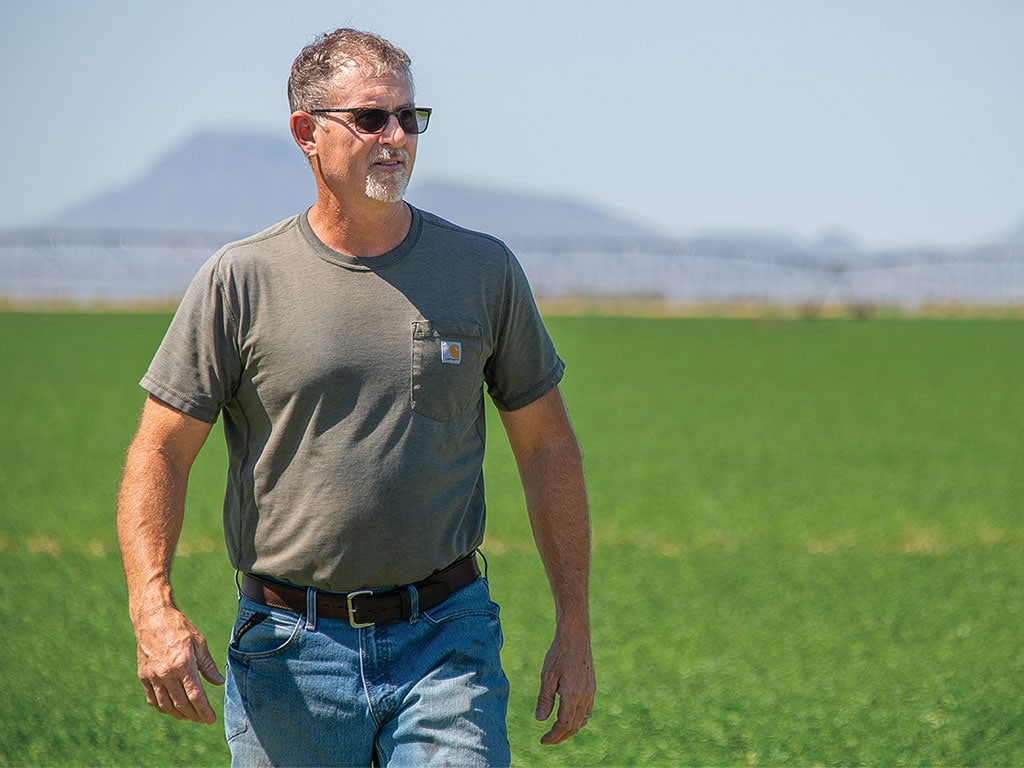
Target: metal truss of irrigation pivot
59	238
830	267
777	252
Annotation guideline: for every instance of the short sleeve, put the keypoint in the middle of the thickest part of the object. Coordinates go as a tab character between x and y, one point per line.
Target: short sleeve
524	364
197	366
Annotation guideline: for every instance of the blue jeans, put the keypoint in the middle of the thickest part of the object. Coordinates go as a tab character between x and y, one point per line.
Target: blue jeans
303	690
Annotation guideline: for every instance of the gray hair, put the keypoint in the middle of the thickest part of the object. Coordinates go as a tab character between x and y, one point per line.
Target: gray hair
314	69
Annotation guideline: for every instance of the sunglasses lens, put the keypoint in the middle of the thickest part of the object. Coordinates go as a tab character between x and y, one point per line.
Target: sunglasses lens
413	120
370	120
375	120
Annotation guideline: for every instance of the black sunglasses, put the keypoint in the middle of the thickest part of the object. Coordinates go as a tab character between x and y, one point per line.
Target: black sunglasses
375	119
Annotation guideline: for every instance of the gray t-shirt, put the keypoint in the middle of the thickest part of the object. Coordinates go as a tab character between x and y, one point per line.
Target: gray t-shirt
352	395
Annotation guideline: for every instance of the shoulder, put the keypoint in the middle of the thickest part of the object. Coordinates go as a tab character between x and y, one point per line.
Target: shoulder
237	265
457	236
260	245
236	262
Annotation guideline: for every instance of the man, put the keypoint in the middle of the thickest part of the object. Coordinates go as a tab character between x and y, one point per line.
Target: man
346	350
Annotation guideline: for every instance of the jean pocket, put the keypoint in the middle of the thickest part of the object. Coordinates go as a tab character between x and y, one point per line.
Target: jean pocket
447	368
260	632
472	600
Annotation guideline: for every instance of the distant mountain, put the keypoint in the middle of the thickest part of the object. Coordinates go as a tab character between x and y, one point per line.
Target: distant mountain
227	182
511	214
242	183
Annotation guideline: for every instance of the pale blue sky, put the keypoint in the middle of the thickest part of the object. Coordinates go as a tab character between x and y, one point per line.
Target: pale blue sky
901	122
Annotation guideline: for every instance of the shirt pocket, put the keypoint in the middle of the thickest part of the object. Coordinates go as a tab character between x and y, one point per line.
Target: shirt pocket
447	368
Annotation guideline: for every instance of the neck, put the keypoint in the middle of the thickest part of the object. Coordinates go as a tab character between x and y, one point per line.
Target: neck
372	230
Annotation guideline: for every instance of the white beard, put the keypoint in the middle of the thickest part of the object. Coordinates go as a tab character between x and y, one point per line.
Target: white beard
388	186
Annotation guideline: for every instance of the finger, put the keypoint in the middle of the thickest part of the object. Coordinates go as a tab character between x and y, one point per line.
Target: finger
150	694
198	707
546	699
194	704
560	731
563	728
181	693
164	701
573	712
207	666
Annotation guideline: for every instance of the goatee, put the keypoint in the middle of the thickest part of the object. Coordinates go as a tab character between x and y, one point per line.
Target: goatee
385	185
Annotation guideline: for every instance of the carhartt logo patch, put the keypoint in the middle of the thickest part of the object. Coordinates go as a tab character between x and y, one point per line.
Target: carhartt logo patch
451	352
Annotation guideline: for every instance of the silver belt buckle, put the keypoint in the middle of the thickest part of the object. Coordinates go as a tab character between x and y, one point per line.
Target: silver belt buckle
352	609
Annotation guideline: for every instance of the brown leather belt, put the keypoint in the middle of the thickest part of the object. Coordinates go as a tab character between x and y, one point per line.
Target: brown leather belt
365	607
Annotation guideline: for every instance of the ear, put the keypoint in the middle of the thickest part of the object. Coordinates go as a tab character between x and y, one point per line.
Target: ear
303	131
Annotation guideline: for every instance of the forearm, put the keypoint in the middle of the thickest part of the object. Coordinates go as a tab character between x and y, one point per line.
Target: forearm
551	468
150	511
556	501
151	502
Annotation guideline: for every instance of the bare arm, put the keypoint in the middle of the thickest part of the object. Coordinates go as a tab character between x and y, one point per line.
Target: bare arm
172	654
551	468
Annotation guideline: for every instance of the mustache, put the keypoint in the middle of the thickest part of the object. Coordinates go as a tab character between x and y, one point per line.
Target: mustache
389	155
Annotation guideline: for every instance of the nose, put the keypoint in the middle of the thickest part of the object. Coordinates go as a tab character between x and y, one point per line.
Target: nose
393	132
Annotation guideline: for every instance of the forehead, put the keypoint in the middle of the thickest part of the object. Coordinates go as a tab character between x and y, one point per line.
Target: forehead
359	90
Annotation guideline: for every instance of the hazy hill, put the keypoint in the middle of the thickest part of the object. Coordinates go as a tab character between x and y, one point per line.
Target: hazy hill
513	214
241	183
227	182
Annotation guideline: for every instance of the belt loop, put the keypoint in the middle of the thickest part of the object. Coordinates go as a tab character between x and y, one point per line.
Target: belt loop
310	609
414	598
479	551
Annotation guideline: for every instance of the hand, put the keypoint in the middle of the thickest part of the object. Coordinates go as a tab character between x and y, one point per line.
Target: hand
568	673
172	656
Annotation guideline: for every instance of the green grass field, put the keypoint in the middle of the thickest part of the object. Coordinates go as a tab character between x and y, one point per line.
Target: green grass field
808	545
